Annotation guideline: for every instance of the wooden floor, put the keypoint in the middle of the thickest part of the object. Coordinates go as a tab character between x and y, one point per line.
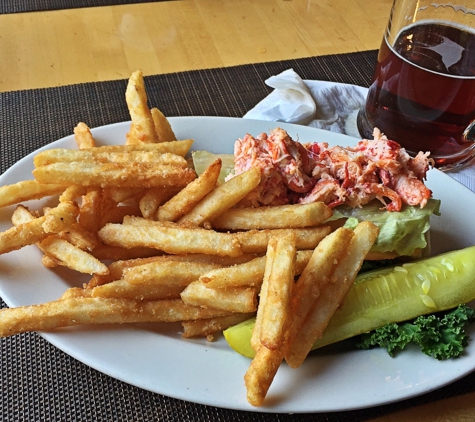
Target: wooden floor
63	47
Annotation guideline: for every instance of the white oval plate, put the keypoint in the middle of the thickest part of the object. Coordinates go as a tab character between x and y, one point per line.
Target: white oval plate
156	358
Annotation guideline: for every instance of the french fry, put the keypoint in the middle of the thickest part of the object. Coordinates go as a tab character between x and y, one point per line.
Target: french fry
55	155
180	147
276	303
27	190
80	237
206	327
104	156
250	273
76	293
71	256
117	214
143	127
237	299
49	262
166	272
117	253
146	291
329	253
84	311
260	374
83	136
162	126
22	235
275	217
255	241
332	294
168	237
59	251
116	270
119	195
60	217
184	201
119	267
72	192
90	210
155	197
223	198
140	175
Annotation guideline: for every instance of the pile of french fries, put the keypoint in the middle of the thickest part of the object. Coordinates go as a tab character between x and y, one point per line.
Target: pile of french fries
177	246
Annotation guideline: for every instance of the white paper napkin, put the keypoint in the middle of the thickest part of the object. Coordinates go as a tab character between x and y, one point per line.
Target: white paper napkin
325	105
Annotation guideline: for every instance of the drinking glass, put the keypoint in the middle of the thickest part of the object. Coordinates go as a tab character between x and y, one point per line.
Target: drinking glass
423	89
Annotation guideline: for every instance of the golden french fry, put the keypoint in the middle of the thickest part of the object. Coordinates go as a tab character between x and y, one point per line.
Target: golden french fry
117	253
72	192
255	241
146	291
119	195
140	175
272	317
155	197
59	251
27	190
168	237
22	235
206	327
143	127
90	210
223	198
83	136
261	373
249	273
327	255
163	128
116	270
49	262
61	217
332	294
84	310
22	215
80	237
276	303
71	256
117	214
236	299
105	156
275	217
166	272
76	293
184	201
180	148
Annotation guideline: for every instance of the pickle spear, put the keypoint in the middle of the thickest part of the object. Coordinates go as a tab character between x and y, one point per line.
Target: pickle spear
394	294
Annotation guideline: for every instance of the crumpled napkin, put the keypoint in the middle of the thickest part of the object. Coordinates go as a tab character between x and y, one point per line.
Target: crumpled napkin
324	105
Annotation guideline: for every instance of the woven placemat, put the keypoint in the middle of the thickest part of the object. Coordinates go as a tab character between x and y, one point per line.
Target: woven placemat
40	382
18	6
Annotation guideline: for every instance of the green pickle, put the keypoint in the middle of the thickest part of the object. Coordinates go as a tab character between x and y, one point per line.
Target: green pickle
394	294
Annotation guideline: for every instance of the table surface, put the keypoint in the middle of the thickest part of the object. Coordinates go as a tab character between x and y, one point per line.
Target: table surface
63	47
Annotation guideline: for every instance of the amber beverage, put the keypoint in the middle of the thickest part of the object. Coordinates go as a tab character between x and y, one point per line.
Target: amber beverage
423	91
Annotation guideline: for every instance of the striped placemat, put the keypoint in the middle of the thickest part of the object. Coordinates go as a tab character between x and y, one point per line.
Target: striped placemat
40	382
18	6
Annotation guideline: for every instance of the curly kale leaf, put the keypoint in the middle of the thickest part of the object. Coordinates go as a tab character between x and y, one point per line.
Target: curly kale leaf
440	335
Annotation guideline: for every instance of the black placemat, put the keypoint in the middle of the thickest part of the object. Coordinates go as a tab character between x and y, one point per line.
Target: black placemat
40	382
17	6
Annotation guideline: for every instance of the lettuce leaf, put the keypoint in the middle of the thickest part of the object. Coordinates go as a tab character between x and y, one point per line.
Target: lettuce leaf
403	232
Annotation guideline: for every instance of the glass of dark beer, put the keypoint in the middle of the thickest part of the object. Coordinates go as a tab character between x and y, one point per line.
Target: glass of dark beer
423	90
